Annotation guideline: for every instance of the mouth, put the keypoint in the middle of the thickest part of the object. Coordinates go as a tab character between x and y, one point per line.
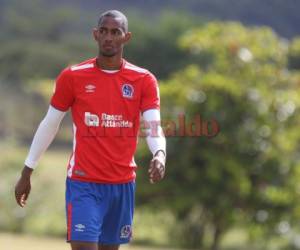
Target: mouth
107	47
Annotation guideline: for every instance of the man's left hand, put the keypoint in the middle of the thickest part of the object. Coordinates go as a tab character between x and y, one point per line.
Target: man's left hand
157	167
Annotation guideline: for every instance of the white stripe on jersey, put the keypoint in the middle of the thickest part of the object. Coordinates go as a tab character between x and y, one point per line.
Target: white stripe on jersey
135	68
72	160
84	66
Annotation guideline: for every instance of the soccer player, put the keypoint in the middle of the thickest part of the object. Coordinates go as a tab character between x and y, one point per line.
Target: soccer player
107	96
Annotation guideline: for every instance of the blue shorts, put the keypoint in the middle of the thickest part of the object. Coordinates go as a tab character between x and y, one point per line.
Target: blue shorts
100	213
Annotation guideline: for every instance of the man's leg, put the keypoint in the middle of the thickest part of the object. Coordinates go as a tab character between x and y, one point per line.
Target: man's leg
108	247
84	215
83	246
117	223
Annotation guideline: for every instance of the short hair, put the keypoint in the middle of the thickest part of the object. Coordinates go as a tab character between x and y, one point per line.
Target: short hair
115	14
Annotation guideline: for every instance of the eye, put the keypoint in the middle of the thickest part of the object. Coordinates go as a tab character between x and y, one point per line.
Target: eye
116	32
102	31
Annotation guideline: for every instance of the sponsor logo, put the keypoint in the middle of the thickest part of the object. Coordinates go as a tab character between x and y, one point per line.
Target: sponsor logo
127	90
107	121
79	228
114	121
126	232
91	120
90	88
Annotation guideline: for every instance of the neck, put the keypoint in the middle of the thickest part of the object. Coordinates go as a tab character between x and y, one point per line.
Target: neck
109	63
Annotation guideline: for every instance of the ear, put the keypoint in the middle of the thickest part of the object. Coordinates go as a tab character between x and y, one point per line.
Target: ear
95	34
127	37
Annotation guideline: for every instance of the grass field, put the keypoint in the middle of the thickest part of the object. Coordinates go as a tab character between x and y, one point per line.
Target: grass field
24	242
45	215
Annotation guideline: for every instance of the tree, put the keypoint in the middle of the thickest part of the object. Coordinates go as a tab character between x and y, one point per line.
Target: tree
294	54
249	167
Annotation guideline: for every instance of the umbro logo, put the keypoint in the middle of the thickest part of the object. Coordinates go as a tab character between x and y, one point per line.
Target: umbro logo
79	227
90	88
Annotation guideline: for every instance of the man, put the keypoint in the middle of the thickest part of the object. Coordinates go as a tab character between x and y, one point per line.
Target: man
106	95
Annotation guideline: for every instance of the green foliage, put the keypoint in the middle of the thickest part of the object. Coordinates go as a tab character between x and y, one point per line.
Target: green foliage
294	54
248	168
154	44
37	43
246	79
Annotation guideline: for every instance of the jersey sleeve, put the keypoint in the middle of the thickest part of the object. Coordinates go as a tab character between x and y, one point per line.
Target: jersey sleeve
150	93
63	95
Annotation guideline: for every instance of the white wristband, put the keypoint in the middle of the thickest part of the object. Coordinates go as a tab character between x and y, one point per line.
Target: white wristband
155	137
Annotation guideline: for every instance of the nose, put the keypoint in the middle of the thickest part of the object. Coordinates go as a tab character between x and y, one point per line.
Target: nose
108	37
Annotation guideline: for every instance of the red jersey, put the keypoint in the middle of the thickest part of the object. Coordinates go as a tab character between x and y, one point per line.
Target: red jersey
106	110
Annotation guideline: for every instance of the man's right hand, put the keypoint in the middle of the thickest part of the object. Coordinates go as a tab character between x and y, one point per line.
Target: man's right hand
23	186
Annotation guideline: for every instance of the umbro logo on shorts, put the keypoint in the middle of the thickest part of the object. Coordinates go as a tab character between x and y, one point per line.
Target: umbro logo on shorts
79	228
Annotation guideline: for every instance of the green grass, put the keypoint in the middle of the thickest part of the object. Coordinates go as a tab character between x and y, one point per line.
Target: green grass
21	242
44	214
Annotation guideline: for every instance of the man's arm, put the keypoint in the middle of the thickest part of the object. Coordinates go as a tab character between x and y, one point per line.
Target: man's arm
157	144
41	141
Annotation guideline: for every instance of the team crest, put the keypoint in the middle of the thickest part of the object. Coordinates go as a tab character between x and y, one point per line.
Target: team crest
126	232
127	90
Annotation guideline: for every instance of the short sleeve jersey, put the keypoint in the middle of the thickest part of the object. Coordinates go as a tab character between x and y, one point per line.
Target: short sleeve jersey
106	109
